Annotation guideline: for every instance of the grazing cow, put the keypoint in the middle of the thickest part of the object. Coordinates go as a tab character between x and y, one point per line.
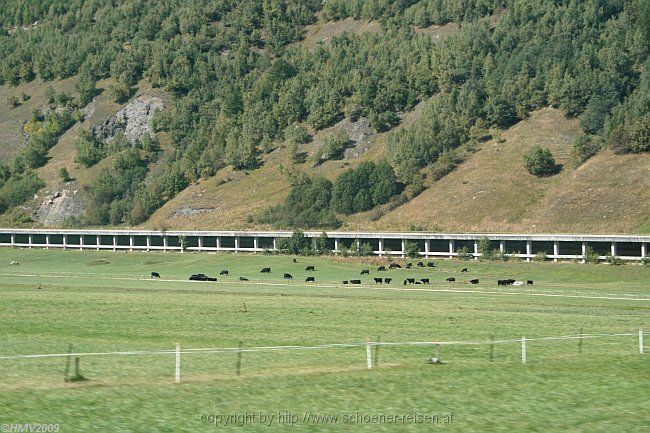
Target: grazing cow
310	280
417	282
408	265
378	280
355	281
502	282
243	279
201	277
224	272
13	262
518	283
394	266
431	265
474	281
288	277
310	268
420	265
365	272
510	281
155	275
529	282
411	280
295	261
345	282
381	268
464	270
425	280
451	279
265	271
405	282
387	280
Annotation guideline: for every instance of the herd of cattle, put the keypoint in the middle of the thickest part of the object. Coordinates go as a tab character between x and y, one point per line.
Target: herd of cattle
377	280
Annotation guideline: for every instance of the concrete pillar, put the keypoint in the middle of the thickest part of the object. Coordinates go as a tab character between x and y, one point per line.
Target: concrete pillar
613	249
274	244
148	242
13	239
236	243
47	242
529	250
475	250
644	250
336	245
130	242
381	247
99	242
256	243
556	250
114	243
81	242
427	248
165	242
502	247
200	243
403	248
65	241
452	248
31	240
584	251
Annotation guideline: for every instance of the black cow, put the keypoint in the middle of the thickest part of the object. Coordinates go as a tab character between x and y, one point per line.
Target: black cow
474	281
509	281
425	280
394	266
431	265
378	280
265	271
243	279
464	270
387	280
345	282
381	268
529	282
155	275
224	272
408	265
288	277
310	280
365	272
295	261
310	268
420	265
502	282
201	277
355	281
411	280
451	279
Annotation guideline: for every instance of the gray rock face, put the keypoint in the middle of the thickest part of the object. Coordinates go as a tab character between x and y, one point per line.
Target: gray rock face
59	205
134	120
361	135
189	211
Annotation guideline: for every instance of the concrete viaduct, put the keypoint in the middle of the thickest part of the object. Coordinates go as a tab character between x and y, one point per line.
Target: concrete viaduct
431	245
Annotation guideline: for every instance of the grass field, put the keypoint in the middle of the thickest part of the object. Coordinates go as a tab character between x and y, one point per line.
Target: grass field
105	301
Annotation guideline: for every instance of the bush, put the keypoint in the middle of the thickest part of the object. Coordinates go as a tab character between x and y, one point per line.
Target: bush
411	250
484	247
591	256
65	176
464	254
584	148
540	162
540	256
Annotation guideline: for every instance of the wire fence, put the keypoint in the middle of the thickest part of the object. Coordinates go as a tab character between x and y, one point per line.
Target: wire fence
489	289
218	362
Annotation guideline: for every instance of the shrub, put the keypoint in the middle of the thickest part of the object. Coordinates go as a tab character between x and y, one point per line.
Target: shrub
464	254
540	256
584	148
540	162
411	250
591	256
65	176
484	247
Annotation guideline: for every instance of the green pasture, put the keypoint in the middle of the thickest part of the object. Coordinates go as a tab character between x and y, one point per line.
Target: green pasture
106	301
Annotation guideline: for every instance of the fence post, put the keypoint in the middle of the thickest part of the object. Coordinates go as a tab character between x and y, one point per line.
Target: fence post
368	353
523	350
641	341
178	363
239	353
66	372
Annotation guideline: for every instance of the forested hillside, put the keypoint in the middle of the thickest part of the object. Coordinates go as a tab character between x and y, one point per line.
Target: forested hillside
242	87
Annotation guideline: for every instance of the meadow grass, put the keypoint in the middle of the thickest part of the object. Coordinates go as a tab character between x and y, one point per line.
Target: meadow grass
105	301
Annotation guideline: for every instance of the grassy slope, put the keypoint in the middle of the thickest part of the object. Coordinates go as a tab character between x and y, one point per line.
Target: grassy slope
12	119
557	391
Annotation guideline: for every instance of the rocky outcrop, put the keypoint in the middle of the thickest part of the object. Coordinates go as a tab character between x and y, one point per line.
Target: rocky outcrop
134	120
59	205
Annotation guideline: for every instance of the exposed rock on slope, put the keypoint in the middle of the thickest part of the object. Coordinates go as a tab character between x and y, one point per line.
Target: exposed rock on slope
134	120
58	206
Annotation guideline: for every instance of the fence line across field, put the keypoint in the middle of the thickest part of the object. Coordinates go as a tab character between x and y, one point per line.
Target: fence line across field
528	291
214	350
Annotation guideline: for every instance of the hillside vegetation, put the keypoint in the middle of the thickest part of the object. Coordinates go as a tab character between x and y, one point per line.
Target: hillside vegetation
270	106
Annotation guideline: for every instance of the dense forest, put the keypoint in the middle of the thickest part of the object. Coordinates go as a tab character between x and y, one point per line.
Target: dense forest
241	84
